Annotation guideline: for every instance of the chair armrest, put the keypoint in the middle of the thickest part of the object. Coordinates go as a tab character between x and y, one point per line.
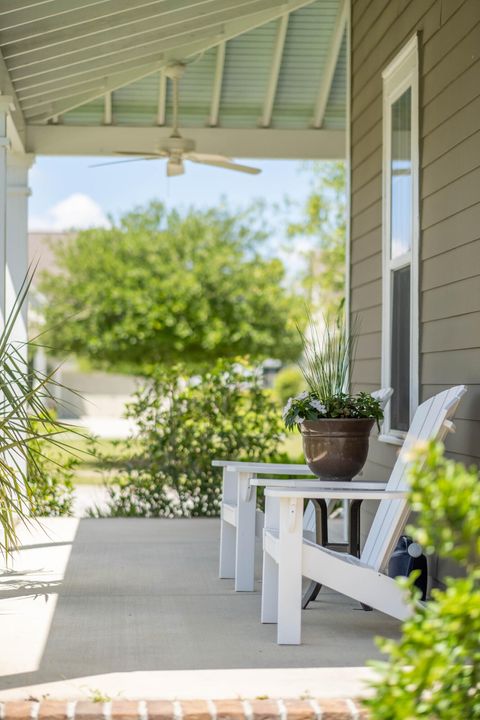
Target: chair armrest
265	468
315	484
334	494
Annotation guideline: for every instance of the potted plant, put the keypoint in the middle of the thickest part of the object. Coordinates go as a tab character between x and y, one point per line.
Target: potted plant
335	425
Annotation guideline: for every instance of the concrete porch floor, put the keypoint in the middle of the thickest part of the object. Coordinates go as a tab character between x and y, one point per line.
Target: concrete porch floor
134	608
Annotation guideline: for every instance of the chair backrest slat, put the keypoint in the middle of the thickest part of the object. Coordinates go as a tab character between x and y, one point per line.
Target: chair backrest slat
428	424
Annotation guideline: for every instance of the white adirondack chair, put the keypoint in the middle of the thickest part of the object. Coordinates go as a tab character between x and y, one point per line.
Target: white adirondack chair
287	556
241	522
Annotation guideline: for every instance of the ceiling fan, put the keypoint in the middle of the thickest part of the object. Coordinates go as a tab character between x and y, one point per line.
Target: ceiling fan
177	148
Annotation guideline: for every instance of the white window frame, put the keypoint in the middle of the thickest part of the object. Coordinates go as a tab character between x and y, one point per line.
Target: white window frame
401	74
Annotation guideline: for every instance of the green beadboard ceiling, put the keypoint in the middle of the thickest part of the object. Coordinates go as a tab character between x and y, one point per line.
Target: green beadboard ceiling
246	74
251	65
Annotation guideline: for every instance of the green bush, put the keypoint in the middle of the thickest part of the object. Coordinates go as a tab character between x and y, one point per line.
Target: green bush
183	425
434	671
50	474
288	383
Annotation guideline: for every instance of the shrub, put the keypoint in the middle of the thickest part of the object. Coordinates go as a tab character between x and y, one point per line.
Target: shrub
288	382
50	475
434	671
183	424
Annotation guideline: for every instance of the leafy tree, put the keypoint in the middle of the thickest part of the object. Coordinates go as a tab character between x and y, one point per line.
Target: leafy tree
160	286
325	221
434	670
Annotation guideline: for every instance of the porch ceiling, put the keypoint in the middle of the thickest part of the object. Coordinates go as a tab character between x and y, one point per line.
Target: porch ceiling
265	78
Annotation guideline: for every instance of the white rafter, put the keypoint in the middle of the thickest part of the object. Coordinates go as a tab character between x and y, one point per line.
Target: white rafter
331	64
217	85
107	109
274	71
162	99
15	120
107	83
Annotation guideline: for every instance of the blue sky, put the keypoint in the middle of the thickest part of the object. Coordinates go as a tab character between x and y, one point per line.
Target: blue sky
66	192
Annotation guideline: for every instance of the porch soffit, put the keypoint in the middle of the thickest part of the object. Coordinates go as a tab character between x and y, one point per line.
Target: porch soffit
264	78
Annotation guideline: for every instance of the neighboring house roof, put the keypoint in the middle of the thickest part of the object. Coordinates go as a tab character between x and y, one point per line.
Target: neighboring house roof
40	249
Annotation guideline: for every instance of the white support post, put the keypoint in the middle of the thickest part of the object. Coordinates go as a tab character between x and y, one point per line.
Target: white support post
16	244
5	104
245	547
227	531
16	257
290	541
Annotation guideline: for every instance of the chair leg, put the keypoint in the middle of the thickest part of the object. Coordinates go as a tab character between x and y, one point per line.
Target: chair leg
228	533
227	550
269	613
321	538
290	572
354	539
245	545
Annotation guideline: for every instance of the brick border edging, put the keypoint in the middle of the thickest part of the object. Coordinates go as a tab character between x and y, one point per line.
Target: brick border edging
266	709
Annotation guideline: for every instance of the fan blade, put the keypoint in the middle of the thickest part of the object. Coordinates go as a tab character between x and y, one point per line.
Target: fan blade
119	162
139	153
205	157
231	166
175	168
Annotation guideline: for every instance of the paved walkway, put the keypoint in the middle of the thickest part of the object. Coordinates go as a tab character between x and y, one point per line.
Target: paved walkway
134	608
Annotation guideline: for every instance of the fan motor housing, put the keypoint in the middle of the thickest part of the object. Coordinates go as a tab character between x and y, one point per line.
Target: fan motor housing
178	145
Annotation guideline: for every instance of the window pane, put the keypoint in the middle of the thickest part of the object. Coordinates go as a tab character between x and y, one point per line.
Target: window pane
400	360
401	175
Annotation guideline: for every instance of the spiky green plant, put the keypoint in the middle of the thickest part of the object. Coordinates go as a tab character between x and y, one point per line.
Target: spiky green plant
26	397
328	355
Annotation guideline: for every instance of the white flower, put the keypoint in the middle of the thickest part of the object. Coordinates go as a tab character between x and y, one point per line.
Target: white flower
317	405
287	407
302	395
299	419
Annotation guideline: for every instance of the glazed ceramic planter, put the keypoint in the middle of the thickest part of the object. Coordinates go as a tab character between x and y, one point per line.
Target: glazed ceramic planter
336	449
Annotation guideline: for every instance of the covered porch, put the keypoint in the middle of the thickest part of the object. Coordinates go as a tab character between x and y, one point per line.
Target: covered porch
133	608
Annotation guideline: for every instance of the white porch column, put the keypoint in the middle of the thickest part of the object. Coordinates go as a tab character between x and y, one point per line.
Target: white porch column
16	253
5	103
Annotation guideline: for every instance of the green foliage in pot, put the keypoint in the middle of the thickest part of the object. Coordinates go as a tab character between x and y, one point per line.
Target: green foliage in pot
434	670
183	424
326	358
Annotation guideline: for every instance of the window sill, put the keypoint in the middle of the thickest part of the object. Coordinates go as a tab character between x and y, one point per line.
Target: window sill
392	439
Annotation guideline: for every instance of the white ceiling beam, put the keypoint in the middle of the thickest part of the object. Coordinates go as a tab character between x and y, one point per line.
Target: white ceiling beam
162	99
217	85
88	19
8	6
241	143
63	60
274	71
331	64
138	21
107	109
230	30
62	10
15	119
130	50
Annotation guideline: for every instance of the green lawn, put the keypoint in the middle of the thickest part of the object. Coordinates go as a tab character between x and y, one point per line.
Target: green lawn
99	458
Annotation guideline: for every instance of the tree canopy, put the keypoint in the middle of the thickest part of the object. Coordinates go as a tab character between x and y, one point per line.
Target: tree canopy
324	220
160	286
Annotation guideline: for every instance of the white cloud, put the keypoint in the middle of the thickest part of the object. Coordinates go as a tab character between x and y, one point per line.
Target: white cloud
75	211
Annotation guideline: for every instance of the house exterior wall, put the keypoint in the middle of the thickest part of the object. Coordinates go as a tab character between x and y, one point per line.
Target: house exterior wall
449	250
